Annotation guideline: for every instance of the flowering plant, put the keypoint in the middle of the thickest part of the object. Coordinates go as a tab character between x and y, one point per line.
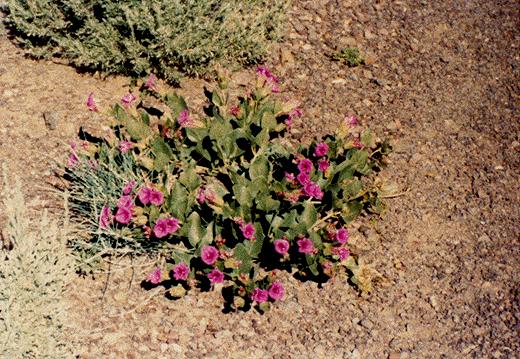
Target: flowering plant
225	198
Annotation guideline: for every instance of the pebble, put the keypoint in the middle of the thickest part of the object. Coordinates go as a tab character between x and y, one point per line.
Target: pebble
50	119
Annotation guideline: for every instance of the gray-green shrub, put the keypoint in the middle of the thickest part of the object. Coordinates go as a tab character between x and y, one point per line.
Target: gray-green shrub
34	275
135	37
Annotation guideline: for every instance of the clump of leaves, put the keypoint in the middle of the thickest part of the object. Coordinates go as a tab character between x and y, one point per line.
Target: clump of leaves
225	197
350	56
167	37
36	268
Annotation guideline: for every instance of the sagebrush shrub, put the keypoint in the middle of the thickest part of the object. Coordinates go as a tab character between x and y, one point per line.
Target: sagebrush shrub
166	37
35	270
225	197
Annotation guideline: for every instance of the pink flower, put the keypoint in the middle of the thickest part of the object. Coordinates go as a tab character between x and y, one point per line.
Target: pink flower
125	146
209	255
151	82
327	265
144	195
312	189
93	164
321	149
129	187
281	246
128	99
264	71
72	161
181	271
216	276
104	217
303	178
248	230
351	121
123	215
156	197
305	166
357	143
155	276
91	105
342	235
184	118
305	246
234	110
275	88
289	121
201	196
165	226
323	165
289	176
297	112
342	252
259	295
276	291
126	202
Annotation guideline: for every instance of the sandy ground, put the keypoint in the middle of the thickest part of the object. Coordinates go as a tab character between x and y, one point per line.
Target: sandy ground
441	81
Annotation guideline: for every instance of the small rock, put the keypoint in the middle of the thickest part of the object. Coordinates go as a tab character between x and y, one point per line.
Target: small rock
51	119
369	35
286	56
434	302
339	81
307	47
354	354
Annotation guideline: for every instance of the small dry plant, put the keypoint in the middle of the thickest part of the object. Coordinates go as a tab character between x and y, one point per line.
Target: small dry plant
35	270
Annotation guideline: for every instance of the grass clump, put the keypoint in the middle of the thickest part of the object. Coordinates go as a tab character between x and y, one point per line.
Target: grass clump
167	37
35	269
349	56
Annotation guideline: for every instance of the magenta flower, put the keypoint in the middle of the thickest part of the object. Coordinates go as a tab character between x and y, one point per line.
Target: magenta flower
156	197
303	178
126	202
264	71
128	99
248	230
357	143
144	195
323	165
216	276
234	110
281	246
105	217
91	104
184	118
125	146
312	189
289	176
305	166
259	295
129	187
181	271
342	235
327	265
297	112
342	252
165	226
123	215
201	196
321	149
151	82
209	255
289	121
351	121
276	291
155	276
305	246
275	88
72	161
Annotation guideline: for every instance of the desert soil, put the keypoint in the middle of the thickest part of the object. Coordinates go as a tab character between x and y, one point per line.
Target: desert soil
442	83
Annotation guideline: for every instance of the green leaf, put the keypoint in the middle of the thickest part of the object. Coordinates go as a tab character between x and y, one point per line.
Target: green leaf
242	255
309	215
259	168
195	232
176	104
163	153
178	201
351	211
136	128
190	179
196	134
